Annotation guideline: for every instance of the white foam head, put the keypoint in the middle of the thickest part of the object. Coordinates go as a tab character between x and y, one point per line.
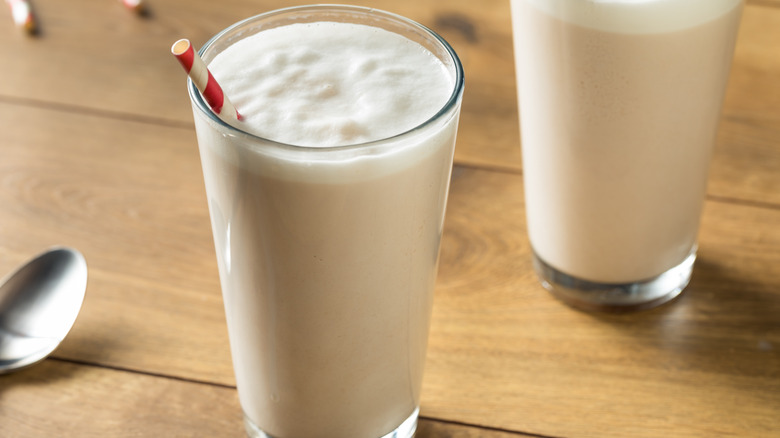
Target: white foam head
331	84
636	16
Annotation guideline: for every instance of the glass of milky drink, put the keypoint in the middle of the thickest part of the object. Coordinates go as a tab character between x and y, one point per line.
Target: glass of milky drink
327	205
619	105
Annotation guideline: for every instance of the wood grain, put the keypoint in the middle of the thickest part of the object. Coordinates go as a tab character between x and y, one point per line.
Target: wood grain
95	56
706	365
117	63
130	196
768	3
503	353
100	402
68	400
746	163
97	151
428	428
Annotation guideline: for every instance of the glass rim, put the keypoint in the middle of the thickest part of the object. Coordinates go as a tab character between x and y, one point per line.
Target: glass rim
452	102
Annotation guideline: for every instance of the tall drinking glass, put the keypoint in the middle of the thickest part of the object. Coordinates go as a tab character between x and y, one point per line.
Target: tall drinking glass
619	105
328	255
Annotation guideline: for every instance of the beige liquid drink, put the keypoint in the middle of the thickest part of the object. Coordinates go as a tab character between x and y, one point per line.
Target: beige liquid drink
327	235
619	103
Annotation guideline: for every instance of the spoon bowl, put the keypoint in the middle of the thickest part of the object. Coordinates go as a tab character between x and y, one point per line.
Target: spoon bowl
39	303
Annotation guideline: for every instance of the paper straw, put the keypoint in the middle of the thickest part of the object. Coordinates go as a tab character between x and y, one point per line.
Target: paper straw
203	80
21	11
134	5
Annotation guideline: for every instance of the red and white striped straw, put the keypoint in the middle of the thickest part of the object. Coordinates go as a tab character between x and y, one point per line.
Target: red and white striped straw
202	78
21	11
134	5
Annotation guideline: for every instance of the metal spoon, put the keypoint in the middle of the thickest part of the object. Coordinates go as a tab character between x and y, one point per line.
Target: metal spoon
38	306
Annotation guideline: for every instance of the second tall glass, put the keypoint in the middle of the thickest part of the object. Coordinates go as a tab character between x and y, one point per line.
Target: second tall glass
619	106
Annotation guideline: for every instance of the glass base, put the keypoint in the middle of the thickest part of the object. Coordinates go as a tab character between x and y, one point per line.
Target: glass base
609	297
406	430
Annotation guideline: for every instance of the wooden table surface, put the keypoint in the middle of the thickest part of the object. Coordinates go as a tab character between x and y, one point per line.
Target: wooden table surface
98	152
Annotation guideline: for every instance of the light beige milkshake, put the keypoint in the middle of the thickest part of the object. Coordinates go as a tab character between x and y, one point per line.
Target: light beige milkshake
328	252
329	314
619	104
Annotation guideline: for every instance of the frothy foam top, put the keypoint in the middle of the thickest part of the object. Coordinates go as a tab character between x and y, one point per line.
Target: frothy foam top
331	84
636	16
